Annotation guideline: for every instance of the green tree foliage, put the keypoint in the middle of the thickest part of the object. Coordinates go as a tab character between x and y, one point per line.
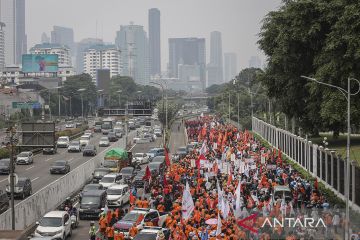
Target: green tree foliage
172	108
312	38
70	90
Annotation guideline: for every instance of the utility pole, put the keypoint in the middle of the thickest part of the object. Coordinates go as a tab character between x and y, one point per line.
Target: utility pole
12	131
126	124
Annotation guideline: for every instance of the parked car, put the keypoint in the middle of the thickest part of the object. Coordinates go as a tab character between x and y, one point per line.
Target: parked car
138	180
4	201
63	142
25	158
99	173
88	132
91	204
132	219
90	187
155	152
140	158
104	142
112	137
110	179
5	166
127	174
22	189
84	140
118	195
50	150
89	150
60	166
74	146
56	224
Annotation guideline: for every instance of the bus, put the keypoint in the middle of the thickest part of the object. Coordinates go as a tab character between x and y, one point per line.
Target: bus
107	125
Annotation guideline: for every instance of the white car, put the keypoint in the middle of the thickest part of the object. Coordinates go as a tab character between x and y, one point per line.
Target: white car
118	195
104	142
25	158
88	132
56	224
84	140
63	142
141	158
110	179
70	125
158	132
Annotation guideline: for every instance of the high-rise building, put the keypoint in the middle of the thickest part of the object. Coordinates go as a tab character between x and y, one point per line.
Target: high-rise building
64	36
215	67
2	46
255	62
230	66
62	51
12	13
45	38
133	43
102	57
187	51
154	41
81	47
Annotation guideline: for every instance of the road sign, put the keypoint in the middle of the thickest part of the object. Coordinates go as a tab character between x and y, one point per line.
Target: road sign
16	178
26	105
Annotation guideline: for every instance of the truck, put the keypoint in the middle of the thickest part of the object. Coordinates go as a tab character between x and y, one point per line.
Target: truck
116	159
139	217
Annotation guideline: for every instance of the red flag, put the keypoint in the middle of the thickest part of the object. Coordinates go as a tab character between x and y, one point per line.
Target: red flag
167	159
229	179
165	181
147	173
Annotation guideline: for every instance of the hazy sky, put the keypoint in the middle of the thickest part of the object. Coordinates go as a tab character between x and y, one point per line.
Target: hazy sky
239	21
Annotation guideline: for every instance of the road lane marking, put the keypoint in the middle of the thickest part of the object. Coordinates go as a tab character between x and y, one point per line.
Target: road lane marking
70	159
49	159
3	180
35	179
132	147
29	168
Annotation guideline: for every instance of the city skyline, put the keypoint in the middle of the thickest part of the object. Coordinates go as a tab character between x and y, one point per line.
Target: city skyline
98	22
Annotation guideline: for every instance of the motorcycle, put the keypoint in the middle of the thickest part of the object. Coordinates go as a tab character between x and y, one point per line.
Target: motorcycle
74	218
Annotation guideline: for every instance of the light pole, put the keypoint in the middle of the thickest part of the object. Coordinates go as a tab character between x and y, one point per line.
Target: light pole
347	94
163	100
81	90
11	131
119	92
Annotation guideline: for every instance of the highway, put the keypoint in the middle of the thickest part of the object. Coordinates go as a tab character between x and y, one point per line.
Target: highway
39	173
177	139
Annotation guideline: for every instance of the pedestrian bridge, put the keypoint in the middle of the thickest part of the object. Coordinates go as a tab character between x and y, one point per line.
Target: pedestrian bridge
108	112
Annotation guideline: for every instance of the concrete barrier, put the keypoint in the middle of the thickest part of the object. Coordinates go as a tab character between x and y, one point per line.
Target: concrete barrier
49	197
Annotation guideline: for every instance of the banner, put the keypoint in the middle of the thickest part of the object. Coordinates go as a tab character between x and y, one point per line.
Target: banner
187	205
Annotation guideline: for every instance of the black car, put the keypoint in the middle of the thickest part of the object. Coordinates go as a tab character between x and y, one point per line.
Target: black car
138	181
99	173
112	137
89	150
22	189
92	203
4	202
50	150
89	187
60	166
5	166
127	174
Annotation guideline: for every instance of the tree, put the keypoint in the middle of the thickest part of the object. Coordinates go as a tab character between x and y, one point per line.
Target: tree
70	90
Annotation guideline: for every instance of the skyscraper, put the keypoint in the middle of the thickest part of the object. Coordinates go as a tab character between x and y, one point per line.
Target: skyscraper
45	38
187	51
2	46
12	14
154	41
255	62
215	67
81	47
64	36
133	43
230	66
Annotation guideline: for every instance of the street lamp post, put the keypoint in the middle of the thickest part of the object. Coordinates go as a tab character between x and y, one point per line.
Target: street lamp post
58	88
347	94
119	92
81	90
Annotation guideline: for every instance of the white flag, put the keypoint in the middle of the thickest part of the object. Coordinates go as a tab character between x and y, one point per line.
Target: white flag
283	206
225	209
219	225
220	195
187	187
238	196
187	205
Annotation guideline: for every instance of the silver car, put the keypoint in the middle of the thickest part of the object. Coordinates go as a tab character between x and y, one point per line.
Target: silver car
25	158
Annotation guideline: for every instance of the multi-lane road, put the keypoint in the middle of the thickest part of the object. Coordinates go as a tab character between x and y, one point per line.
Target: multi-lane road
177	139
39	173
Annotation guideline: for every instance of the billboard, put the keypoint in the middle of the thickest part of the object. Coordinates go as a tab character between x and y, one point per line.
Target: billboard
35	63
38	134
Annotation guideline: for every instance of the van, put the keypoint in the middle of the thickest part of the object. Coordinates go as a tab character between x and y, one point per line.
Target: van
92	203
4	202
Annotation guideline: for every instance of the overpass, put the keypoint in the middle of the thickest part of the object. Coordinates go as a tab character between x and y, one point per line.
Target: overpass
108	112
